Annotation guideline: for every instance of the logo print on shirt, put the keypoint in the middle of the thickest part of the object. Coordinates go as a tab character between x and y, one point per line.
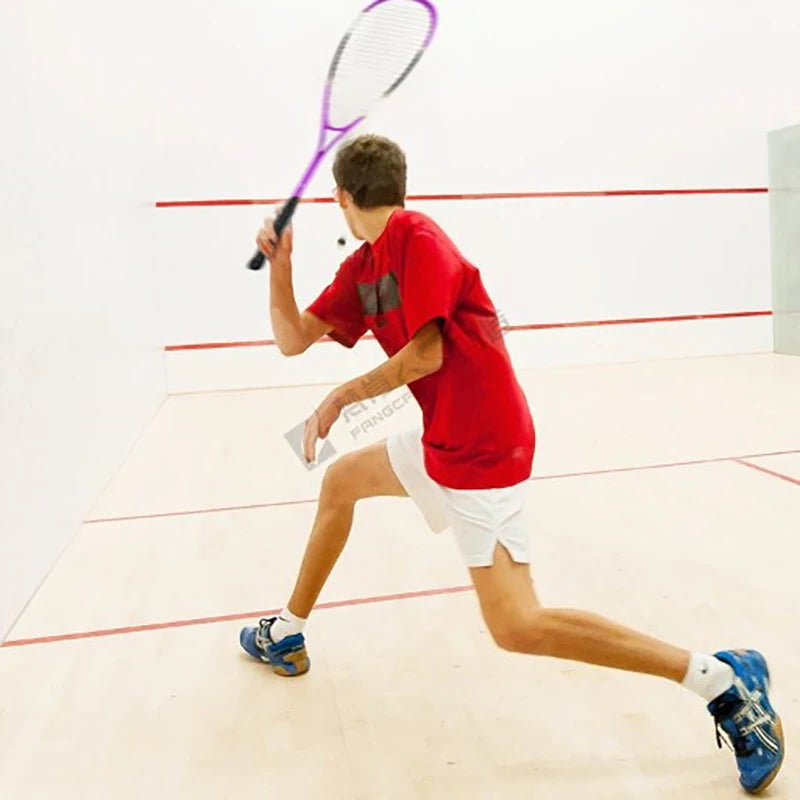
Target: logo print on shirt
381	296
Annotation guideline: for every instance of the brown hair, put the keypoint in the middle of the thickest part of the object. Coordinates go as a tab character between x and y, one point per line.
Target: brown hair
373	170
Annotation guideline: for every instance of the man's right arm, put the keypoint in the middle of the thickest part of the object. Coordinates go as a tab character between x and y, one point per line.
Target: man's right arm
294	332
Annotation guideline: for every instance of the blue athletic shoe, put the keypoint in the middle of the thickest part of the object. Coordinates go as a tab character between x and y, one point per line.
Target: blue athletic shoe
748	721
288	657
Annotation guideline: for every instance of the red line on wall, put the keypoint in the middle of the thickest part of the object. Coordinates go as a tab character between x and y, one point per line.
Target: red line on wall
186	623
766	471
547	326
223	345
478	196
253	343
544	326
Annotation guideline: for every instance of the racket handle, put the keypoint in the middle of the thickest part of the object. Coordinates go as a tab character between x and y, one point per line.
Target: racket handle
257	261
281	222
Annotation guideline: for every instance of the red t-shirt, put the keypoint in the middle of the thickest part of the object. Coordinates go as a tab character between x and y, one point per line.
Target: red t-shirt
478	431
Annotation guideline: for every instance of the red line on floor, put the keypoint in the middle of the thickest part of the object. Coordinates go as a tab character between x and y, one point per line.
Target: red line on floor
544	326
615	470
478	196
186	623
214	510
665	465
766	471
556	476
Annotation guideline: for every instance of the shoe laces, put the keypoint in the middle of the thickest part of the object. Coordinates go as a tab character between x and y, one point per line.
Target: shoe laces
263	639
749	718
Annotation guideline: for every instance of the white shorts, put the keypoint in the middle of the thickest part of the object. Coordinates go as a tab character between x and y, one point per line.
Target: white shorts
480	518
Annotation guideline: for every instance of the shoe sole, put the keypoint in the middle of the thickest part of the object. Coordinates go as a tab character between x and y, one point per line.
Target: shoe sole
301	663
778	728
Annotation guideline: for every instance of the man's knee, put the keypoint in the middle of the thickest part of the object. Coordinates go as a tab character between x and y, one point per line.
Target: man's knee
341	481
521	633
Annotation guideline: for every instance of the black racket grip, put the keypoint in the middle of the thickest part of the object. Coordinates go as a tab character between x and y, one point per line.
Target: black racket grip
282	220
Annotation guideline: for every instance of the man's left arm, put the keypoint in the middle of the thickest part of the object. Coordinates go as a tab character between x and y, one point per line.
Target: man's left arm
420	357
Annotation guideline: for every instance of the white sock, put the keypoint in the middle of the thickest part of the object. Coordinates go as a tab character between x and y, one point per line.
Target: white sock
707	676
285	625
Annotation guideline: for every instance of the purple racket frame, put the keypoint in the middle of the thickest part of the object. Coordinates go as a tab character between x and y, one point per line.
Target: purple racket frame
325	145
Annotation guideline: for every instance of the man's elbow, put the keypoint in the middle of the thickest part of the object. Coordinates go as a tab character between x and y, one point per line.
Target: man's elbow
433	359
428	354
436	361
292	348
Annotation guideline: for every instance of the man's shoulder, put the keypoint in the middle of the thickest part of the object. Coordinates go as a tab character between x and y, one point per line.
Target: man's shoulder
415	228
416	222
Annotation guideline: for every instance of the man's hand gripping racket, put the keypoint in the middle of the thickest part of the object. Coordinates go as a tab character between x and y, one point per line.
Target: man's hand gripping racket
374	57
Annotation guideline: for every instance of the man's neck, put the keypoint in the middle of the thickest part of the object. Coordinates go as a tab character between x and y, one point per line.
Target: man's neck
373	222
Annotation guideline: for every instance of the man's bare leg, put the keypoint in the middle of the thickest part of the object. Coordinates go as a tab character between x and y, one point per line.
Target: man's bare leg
365	473
734	682
353	477
518	623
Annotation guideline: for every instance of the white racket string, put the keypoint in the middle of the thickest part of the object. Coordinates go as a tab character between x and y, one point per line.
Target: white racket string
382	47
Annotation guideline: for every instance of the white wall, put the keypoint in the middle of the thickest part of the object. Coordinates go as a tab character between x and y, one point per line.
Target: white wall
784	180
80	345
682	260
513	96
109	107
